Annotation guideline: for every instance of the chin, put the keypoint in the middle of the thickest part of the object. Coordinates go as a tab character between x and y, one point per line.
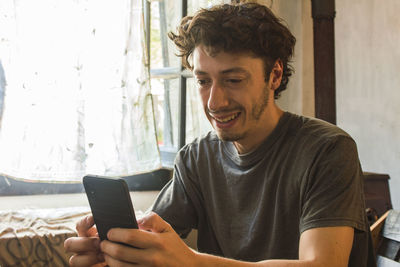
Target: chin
231	137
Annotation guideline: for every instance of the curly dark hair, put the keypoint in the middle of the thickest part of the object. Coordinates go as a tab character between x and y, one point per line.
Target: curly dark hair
234	28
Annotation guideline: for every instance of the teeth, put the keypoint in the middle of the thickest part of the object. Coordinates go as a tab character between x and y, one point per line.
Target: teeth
227	118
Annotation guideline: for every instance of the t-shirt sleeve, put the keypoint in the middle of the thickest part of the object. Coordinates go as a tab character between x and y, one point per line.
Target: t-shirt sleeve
177	203
332	194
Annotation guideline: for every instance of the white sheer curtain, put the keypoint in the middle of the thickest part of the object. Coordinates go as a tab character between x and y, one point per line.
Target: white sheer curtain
77	95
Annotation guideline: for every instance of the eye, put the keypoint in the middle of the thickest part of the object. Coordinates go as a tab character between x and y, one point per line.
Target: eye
202	82
234	80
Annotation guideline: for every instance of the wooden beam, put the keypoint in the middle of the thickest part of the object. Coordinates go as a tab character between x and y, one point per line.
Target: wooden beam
323	13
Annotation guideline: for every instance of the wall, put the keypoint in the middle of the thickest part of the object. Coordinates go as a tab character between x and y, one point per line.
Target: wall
367	43
299	95
367	39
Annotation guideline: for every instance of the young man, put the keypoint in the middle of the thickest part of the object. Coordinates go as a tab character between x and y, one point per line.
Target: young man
267	187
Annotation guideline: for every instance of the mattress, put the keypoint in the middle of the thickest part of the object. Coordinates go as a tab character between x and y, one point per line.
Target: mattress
35	237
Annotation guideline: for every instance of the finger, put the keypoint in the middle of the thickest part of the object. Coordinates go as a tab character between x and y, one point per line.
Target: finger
82	244
84	260
93	231
153	222
84	225
114	262
122	252
133	237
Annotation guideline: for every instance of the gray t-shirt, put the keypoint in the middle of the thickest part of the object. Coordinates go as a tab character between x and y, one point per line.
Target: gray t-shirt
255	206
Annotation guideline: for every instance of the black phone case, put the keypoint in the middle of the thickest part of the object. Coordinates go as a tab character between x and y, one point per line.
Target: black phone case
110	202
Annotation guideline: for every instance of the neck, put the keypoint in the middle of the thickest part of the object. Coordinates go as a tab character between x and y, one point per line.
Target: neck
261	131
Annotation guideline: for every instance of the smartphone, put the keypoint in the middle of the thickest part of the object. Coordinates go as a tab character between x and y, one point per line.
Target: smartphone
110	202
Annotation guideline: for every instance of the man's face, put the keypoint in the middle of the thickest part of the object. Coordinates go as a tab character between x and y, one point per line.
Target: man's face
234	93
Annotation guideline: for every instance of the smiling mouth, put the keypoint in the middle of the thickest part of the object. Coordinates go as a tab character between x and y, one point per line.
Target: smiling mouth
225	119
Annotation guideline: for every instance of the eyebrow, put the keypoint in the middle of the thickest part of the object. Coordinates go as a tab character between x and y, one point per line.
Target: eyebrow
231	70
234	70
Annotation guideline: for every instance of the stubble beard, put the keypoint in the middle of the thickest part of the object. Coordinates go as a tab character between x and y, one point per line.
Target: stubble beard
256	112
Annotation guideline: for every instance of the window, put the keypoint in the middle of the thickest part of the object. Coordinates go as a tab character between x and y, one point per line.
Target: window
177	108
77	96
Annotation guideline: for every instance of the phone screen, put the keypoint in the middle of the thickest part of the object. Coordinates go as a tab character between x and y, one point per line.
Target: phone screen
110	202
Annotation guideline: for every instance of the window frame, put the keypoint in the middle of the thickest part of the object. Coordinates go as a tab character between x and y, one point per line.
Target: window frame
168	153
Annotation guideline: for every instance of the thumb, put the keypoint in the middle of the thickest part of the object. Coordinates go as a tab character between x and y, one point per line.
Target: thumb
84	225
154	223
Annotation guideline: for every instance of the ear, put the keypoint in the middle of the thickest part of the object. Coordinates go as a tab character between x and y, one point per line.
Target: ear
275	77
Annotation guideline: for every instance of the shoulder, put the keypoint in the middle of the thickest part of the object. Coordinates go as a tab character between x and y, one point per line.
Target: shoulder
196	157
313	133
316	143
201	146
313	127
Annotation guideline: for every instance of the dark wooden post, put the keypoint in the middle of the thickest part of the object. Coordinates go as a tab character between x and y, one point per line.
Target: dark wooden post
323	13
182	95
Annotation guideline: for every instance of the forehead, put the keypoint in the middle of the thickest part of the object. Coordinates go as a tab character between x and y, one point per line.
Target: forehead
205	62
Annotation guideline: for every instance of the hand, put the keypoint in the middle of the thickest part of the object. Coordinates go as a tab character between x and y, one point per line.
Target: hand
86	247
155	243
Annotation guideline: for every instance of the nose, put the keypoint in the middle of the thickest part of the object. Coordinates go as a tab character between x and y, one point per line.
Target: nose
218	98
